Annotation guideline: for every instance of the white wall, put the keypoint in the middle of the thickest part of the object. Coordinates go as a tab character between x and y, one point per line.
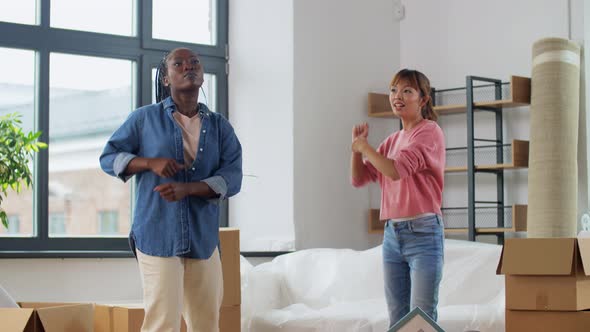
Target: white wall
72	280
454	38
299	76
261	111
448	40
342	51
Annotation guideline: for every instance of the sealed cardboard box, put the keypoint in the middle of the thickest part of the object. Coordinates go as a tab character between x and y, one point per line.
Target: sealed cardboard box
229	242
549	274
47	317
129	317
547	321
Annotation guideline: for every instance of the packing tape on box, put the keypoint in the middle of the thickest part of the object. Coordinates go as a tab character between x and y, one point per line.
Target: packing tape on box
542	302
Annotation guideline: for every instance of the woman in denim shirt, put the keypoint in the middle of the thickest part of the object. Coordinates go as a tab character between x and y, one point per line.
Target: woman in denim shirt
186	159
409	166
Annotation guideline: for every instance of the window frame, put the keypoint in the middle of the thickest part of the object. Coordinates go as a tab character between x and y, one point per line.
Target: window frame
146	53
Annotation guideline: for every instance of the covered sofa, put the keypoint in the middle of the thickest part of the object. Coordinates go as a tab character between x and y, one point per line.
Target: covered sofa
342	290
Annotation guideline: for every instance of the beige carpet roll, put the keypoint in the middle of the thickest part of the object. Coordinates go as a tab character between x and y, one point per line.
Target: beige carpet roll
553	165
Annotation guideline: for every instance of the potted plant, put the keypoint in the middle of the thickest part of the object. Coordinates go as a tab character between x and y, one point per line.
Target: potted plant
16	151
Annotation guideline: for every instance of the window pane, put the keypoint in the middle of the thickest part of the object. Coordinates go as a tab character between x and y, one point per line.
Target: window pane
17	91
21	11
106	16
90	97
207	95
193	21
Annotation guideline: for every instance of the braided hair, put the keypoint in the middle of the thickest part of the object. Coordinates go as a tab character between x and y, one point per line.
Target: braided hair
162	91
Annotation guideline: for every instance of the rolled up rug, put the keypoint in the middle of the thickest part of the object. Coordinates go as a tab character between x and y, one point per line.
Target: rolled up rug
553	167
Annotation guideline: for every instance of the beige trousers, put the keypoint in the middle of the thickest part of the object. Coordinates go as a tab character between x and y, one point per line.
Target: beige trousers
175	286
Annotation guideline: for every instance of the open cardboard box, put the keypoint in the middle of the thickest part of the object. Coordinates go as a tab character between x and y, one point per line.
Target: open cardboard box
549	274
47	317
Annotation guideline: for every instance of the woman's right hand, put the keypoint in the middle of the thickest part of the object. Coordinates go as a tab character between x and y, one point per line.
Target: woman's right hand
360	130
164	167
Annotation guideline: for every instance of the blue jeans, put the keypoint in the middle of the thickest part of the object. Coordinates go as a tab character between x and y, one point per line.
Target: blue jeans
413	255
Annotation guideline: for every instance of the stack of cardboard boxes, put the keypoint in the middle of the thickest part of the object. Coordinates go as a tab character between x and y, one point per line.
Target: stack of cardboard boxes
547	284
71	317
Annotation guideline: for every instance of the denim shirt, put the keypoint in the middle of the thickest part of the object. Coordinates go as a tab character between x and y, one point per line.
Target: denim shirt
189	227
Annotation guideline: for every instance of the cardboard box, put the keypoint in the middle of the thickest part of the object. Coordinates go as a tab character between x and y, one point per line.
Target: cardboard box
546	274
129	317
230	319
229	242
47	317
120	318
547	321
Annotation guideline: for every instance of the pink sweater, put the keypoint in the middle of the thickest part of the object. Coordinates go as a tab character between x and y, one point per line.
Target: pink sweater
419	158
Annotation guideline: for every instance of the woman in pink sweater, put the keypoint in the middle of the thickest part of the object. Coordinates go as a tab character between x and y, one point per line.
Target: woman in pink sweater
409	166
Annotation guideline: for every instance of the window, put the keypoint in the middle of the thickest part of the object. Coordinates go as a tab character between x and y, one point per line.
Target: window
108	223
83	114
201	14
76	75
22	11
105	16
17	95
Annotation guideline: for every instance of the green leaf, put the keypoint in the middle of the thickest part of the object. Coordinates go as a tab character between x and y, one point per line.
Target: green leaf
4	218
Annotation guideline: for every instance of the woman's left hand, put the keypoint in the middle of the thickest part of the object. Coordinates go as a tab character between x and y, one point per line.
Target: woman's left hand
173	191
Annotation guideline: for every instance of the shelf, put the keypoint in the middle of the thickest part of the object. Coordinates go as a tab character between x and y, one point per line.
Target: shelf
520	93
376	226
518	214
519	154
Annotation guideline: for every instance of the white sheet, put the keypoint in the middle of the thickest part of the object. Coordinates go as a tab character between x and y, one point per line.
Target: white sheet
342	290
